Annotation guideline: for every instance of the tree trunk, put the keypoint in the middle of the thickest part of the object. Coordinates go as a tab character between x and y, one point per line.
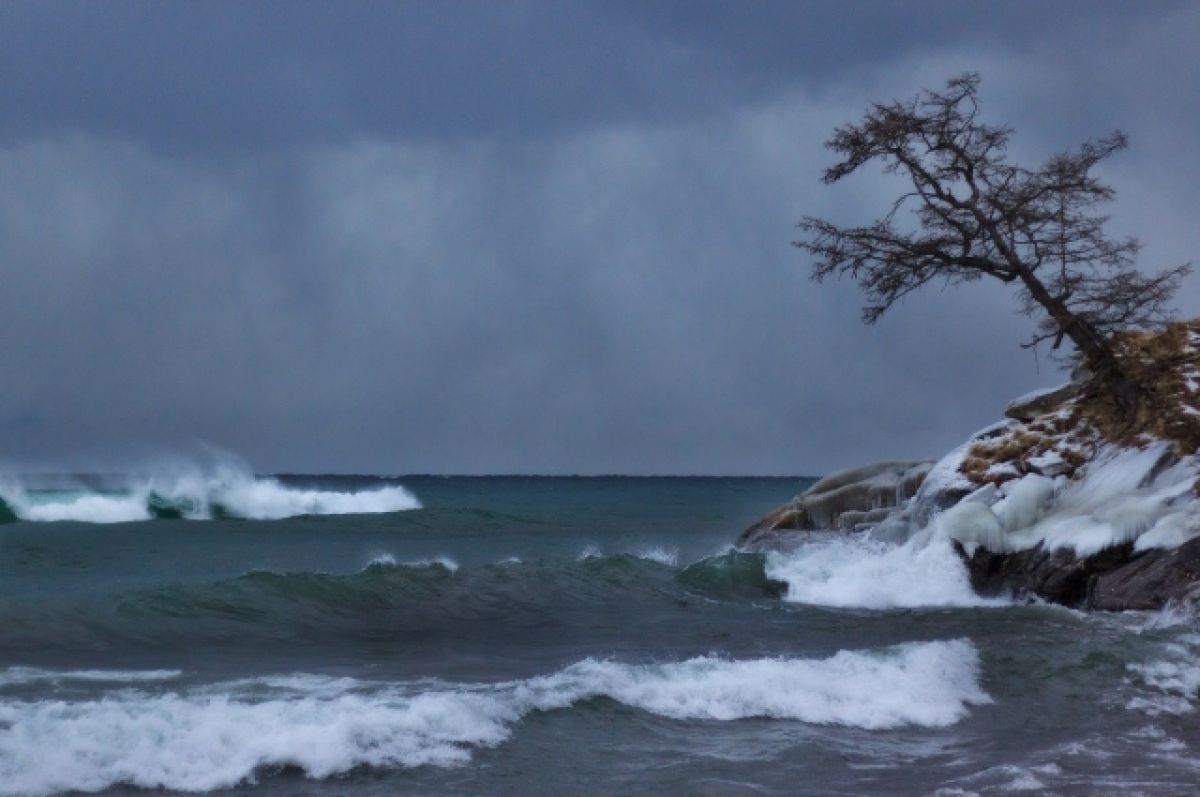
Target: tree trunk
1098	355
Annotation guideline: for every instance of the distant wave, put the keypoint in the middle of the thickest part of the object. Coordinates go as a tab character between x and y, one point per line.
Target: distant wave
221	735
388	596
436	589
227	489
21	676
386	561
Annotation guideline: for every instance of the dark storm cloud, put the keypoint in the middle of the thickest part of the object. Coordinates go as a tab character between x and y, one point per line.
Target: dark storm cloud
504	237
235	76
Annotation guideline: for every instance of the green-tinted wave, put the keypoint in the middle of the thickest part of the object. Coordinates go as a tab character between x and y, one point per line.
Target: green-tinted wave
732	575
6	513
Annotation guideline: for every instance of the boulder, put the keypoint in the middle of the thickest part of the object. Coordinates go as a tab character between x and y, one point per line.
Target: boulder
1115	579
1040	402
1149	580
846	499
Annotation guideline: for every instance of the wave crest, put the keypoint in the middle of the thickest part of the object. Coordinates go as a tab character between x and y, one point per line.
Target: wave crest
223	734
226	490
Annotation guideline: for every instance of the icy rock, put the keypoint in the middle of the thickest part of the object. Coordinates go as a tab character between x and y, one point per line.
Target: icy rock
1039	402
973	525
1114	579
867	494
1025	501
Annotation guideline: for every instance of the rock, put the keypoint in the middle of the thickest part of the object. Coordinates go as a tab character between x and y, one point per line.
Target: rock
1150	580
888	473
864	491
788	516
1065	467
852	519
1115	579
1039	402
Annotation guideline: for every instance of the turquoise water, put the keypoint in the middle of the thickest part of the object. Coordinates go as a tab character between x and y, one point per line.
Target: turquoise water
549	636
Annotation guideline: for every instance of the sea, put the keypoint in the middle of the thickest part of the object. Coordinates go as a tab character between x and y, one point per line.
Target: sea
231	634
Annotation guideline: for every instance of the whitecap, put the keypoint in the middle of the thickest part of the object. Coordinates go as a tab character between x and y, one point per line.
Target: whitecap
84	508
855	572
387	560
589	552
662	556
219	736
19	676
196	492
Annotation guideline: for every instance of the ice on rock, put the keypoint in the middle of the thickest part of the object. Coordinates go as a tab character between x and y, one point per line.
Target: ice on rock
946	478
1119	497
973	525
1171	530
1024	502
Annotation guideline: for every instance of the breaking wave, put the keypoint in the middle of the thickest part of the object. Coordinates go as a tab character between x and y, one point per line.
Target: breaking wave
858	572
226	490
220	735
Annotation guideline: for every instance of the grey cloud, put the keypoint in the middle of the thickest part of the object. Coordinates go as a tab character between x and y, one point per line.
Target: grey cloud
238	77
577	261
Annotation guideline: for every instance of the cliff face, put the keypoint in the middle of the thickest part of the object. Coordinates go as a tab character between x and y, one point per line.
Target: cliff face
1064	499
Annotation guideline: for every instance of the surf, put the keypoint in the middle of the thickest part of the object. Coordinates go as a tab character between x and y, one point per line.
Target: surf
220	735
185	490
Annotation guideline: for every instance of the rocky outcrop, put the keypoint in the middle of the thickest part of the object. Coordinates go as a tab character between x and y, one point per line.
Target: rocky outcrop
1115	579
1071	499
1040	402
848	500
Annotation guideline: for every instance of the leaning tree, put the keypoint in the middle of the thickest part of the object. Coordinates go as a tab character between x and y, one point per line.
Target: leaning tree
968	213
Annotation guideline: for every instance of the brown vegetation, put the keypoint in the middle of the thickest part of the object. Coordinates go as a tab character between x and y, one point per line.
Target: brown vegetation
1165	368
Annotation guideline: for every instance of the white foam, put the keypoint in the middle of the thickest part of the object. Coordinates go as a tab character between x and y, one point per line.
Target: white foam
1173	682
1172	615
85	508
1120	496
19	676
861	573
198	491
928	684
589	552
387	560
206	739
267	499
658	554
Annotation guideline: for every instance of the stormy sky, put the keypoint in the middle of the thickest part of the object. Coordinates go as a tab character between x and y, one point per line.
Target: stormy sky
523	237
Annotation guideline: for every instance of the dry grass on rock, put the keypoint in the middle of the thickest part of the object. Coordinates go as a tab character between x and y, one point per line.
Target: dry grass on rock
1165	364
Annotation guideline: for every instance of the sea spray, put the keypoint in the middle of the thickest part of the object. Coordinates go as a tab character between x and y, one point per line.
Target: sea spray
223	734
225	488
856	572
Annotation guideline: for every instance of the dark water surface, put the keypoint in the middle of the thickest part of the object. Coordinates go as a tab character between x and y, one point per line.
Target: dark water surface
550	636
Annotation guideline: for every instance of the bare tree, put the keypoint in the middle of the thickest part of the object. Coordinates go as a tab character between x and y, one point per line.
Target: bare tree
971	213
